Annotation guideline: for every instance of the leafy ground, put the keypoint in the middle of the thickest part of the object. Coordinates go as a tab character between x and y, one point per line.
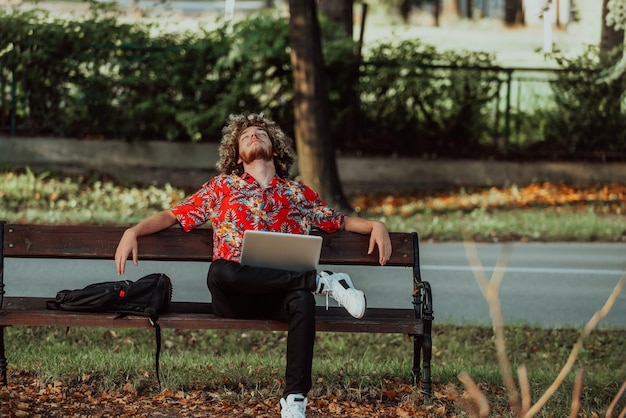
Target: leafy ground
32	398
605	199
221	390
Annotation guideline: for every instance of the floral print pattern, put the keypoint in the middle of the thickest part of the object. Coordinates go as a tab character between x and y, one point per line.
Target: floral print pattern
234	204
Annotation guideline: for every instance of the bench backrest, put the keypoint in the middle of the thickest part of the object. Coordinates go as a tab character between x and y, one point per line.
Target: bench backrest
100	242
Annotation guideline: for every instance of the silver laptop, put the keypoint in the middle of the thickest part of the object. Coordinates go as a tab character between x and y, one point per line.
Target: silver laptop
281	251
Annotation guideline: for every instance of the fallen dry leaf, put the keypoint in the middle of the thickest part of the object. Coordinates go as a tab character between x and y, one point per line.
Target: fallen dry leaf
24	396
604	198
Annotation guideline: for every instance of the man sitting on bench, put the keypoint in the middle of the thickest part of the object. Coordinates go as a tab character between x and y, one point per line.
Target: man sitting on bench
253	191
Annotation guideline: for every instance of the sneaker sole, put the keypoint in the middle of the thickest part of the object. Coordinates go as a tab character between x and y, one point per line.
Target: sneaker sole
349	283
362	313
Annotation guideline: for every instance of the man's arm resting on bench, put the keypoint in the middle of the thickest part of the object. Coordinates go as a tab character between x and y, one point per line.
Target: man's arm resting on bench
128	242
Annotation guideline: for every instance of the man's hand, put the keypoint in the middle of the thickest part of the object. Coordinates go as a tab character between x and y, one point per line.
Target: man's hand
379	236
127	246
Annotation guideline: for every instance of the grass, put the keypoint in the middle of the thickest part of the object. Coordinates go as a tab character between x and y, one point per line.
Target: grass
532	213
549	225
233	364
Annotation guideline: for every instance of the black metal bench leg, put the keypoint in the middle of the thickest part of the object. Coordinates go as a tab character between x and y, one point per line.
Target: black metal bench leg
428	350
418	342
3	360
427	347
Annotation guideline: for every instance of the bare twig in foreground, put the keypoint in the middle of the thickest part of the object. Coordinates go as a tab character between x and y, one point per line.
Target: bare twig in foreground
474	391
524	384
609	411
593	322
490	290
578	387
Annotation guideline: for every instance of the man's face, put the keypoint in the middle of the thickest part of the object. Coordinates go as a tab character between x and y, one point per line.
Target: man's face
255	144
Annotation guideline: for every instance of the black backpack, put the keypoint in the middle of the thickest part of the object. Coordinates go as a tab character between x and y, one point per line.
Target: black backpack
149	296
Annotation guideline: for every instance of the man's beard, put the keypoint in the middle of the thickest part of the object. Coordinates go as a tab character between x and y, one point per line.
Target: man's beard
259	153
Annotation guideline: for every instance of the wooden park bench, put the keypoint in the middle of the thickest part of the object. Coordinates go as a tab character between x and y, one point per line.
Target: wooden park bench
100	242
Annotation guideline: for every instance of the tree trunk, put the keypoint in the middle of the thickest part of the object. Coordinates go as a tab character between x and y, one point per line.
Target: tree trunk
610	38
514	12
316	151
449	9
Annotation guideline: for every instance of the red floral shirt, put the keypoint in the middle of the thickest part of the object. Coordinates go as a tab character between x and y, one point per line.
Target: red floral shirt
235	204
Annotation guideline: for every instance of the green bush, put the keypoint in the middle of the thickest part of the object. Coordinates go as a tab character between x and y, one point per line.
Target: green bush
99	78
589	116
433	102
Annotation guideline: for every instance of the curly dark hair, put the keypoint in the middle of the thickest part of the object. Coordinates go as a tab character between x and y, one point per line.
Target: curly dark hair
229	145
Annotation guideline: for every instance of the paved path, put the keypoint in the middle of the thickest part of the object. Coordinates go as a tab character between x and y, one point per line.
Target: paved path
551	285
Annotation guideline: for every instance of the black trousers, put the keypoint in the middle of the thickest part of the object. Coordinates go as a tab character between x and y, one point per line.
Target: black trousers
256	292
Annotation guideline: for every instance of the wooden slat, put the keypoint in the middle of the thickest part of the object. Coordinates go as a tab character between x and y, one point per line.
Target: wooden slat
351	249
183	315
99	242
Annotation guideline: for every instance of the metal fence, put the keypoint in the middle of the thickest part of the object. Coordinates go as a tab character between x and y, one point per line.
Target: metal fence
520	93
523	92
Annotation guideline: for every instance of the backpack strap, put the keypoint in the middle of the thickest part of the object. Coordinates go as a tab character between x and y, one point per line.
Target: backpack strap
157	336
152	318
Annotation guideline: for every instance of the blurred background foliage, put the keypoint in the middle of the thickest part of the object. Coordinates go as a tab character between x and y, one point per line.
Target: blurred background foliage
100	78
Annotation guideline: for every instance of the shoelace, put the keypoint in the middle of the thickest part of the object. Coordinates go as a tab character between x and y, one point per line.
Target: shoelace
341	300
326	292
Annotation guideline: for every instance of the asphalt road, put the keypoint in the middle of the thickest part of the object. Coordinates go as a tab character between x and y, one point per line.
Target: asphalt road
550	285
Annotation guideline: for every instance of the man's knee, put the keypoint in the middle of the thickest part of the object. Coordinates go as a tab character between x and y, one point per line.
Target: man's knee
302	301
222	273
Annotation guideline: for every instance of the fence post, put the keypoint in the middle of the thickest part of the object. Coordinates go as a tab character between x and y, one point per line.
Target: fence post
507	115
13	104
496	122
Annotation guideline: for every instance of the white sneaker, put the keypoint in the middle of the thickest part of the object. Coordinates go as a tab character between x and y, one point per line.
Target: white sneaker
339	287
293	407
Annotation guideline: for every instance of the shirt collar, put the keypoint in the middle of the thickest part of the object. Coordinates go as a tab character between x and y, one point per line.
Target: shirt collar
251	180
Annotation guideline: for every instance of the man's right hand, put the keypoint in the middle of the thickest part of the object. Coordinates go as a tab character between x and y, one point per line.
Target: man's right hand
128	242
127	246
